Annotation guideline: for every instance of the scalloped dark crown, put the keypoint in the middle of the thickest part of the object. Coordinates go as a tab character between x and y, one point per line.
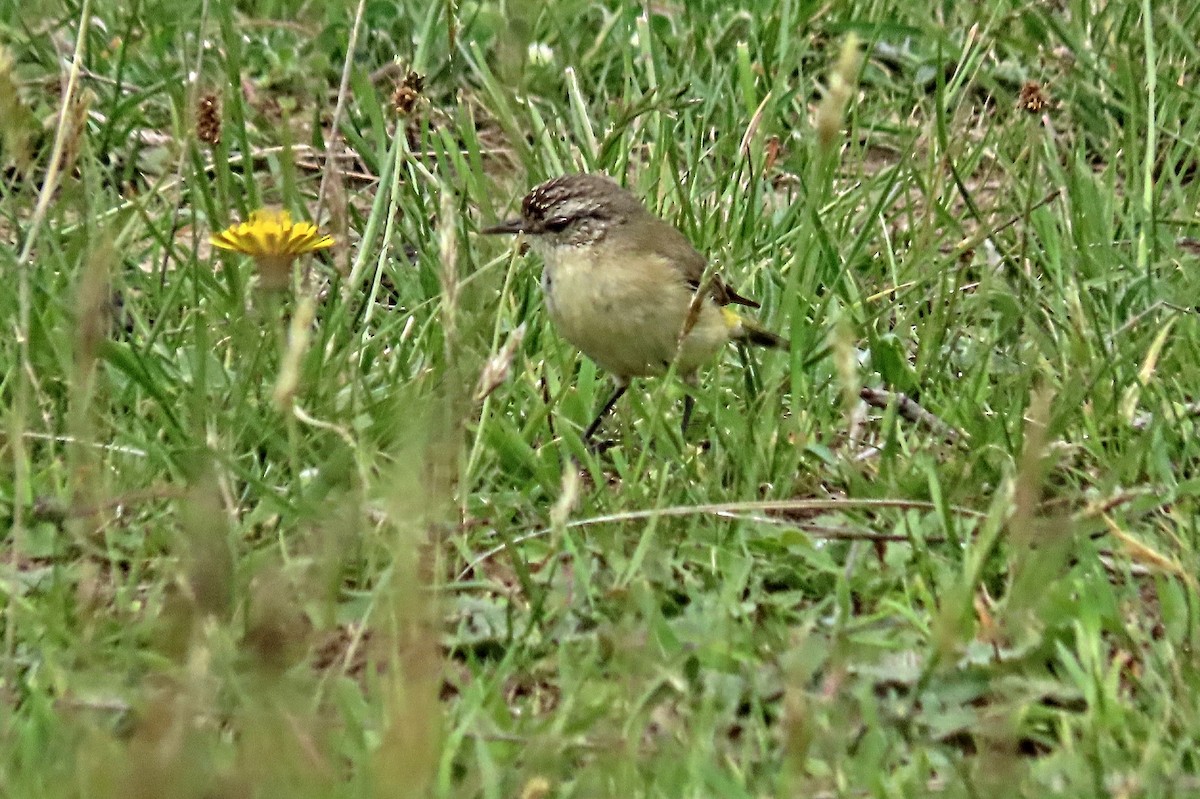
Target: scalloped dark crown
569	198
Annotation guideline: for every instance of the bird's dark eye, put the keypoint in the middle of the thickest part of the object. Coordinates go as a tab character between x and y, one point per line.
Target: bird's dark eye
556	224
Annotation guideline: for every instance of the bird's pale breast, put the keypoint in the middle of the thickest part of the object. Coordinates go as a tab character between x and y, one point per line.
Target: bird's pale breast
627	316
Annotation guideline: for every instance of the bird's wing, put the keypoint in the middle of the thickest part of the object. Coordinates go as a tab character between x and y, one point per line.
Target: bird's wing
672	246
722	292
725	294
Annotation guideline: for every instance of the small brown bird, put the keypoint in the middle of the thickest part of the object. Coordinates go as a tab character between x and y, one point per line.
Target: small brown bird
625	287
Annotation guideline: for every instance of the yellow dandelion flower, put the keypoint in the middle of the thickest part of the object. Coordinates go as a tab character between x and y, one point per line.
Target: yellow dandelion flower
274	241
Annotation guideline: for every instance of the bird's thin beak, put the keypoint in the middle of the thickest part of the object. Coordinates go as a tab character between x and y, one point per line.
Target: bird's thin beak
509	226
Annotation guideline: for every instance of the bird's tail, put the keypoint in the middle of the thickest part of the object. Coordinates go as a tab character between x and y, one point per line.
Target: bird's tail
750	332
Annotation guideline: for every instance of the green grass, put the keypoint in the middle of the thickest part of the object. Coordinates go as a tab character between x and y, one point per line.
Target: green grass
392	585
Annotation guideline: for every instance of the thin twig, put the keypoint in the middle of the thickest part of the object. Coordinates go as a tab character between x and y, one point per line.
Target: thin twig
64	129
724	509
120	449
910	411
339	109
827	532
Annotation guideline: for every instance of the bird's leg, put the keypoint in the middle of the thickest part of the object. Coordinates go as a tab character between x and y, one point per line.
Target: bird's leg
689	402
622	386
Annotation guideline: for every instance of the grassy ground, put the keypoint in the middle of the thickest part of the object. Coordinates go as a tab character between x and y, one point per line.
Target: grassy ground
370	556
